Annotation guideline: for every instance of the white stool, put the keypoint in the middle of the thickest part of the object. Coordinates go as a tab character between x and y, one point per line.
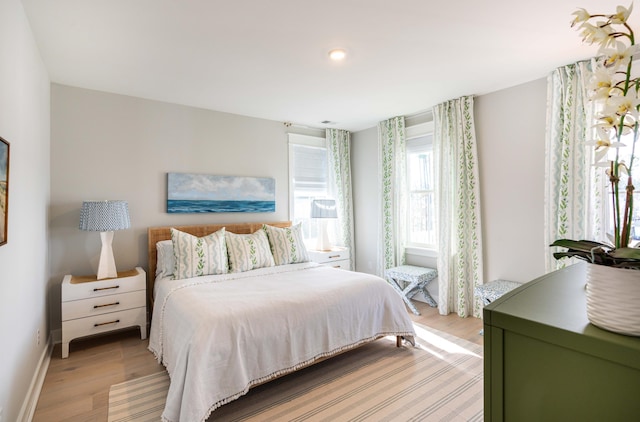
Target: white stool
415	279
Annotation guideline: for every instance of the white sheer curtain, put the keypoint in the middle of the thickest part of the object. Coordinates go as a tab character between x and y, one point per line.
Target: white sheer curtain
458	208
573	187
339	163
392	165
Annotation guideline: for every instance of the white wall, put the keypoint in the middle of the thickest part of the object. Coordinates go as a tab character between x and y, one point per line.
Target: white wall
108	146
24	123
366	198
510	129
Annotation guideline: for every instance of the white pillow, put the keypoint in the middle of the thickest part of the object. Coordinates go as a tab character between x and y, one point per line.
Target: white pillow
287	244
197	256
248	251
165	260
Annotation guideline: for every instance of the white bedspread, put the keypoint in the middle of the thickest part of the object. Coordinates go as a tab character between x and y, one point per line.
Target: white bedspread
220	335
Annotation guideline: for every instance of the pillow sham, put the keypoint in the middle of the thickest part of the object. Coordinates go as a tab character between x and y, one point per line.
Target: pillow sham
197	256
287	244
165	260
248	251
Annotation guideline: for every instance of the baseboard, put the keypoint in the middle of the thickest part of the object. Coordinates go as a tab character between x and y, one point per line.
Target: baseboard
31	399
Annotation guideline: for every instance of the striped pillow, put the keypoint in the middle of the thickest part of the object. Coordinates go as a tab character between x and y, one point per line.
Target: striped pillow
248	251
165	261
287	244
197	256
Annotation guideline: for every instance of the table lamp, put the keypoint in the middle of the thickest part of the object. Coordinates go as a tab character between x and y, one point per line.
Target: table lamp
323	209
105	217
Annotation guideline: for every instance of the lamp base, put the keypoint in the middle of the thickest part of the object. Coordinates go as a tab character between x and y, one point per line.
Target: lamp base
322	243
107	264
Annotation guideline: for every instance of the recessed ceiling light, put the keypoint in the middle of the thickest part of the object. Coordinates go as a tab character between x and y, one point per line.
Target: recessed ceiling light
337	54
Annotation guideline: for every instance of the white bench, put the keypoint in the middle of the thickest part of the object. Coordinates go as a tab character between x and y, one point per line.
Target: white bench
488	292
414	279
492	290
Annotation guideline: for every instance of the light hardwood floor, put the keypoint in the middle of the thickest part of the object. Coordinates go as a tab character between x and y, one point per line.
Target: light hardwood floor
77	388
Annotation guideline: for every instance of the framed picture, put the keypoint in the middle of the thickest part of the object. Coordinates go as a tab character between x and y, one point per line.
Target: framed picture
4	190
200	193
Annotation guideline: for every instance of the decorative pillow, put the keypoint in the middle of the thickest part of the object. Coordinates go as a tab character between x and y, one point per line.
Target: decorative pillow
165	261
287	244
196	256
248	251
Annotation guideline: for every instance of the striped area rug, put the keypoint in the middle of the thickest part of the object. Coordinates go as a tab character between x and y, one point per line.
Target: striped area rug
439	380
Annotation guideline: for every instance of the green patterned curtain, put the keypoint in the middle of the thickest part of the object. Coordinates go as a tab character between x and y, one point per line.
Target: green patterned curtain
392	164
339	162
573	187
458	208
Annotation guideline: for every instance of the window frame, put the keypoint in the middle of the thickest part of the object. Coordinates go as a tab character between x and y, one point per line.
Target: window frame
412	132
294	140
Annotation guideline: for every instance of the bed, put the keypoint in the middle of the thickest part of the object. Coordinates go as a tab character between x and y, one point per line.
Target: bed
218	335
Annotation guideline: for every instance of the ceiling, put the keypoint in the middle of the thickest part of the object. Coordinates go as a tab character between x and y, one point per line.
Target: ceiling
269	59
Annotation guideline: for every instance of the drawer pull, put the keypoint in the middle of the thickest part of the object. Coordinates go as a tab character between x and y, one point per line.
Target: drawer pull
334	256
106	323
105	288
106	304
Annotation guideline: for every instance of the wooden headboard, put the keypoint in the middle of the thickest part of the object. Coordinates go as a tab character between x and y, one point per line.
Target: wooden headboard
156	234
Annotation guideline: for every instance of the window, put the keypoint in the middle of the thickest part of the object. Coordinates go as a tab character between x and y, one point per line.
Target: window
421	224
624	156
307	181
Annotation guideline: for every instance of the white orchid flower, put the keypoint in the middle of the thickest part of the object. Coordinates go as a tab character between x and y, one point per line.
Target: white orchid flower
627	128
618	56
611	123
623	105
622	168
581	15
602	144
596	34
607	122
601	83
621	15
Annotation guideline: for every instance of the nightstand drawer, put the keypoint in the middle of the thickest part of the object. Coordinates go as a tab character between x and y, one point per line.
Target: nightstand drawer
102	305
74	288
103	323
336	254
345	264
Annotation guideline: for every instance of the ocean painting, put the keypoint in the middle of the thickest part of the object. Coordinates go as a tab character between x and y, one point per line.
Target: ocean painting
200	193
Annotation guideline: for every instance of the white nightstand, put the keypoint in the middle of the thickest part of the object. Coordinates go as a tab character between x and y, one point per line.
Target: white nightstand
337	257
91	306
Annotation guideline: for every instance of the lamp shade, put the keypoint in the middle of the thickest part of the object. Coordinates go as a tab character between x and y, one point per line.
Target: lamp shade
323	208
104	216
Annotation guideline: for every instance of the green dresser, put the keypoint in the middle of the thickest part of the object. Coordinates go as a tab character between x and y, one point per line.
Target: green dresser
544	361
